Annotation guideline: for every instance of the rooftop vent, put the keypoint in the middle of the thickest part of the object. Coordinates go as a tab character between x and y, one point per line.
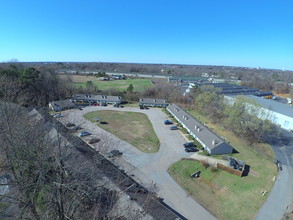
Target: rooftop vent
198	129
214	142
154	100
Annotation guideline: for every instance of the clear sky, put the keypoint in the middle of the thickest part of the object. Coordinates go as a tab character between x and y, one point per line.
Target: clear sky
251	33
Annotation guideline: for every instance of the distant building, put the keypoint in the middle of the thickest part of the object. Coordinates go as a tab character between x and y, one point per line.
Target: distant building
209	140
91	99
233	89
187	79
153	102
61	105
278	113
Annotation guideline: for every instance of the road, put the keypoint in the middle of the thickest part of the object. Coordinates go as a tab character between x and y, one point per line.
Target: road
280	198
150	168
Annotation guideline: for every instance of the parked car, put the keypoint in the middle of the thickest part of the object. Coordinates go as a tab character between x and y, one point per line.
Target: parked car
104	104
174	128
95	104
94	140
168	122
189	144
84	133
114	153
70	125
190	149
143	107
58	115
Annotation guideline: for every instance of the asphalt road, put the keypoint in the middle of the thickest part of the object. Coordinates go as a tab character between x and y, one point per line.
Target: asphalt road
280	199
150	168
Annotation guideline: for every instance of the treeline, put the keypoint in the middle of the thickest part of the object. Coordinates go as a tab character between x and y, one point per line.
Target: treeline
270	82
50	174
239	116
31	86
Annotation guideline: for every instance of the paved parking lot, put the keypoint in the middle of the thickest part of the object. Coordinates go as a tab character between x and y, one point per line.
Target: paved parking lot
148	168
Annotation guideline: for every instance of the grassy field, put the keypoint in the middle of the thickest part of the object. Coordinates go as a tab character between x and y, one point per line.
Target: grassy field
226	195
138	84
134	128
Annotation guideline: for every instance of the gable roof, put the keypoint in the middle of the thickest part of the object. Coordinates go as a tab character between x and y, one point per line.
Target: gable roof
153	101
89	97
210	139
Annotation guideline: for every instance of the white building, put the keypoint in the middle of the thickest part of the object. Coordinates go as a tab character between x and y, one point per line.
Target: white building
278	113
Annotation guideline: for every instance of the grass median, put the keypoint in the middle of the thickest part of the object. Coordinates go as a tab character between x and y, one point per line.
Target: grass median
132	127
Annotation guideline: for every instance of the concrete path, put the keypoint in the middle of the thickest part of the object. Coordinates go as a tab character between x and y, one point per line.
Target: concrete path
148	168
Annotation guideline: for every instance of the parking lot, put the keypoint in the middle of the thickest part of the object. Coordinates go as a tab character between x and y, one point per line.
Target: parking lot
148	168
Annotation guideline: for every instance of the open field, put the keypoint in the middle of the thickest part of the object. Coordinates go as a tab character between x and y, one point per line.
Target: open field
138	84
226	195
134	128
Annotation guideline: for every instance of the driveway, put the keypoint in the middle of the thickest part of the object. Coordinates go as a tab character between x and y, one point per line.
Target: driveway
280	199
148	168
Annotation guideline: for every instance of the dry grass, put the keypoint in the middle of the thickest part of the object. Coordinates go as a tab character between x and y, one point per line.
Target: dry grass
134	128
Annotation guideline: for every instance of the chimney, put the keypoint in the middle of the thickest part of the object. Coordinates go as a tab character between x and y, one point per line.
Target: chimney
214	142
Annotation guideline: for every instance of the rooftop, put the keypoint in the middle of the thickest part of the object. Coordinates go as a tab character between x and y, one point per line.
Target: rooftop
272	105
209	138
153	101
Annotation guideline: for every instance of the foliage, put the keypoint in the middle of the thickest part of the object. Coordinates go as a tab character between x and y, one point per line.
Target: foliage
101	74
130	88
31	86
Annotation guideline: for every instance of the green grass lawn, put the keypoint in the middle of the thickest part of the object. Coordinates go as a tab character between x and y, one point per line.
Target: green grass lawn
134	128
138	84
226	195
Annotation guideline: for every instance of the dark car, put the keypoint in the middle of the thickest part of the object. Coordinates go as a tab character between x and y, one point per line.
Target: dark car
189	144
84	133
114	153
190	149
103	104
168	122
174	128
94	140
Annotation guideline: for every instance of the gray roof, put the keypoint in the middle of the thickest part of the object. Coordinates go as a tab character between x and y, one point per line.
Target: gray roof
89	97
204	134
67	103
272	105
153	101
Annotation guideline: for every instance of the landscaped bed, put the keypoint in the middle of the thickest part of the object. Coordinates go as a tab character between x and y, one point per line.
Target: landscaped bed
134	128
224	194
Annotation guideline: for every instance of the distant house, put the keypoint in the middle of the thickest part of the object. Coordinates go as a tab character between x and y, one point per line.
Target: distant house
153	102
61	105
85	99
209	140
118	76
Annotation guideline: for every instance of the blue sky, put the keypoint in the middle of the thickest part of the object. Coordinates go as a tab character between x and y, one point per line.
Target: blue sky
251	33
